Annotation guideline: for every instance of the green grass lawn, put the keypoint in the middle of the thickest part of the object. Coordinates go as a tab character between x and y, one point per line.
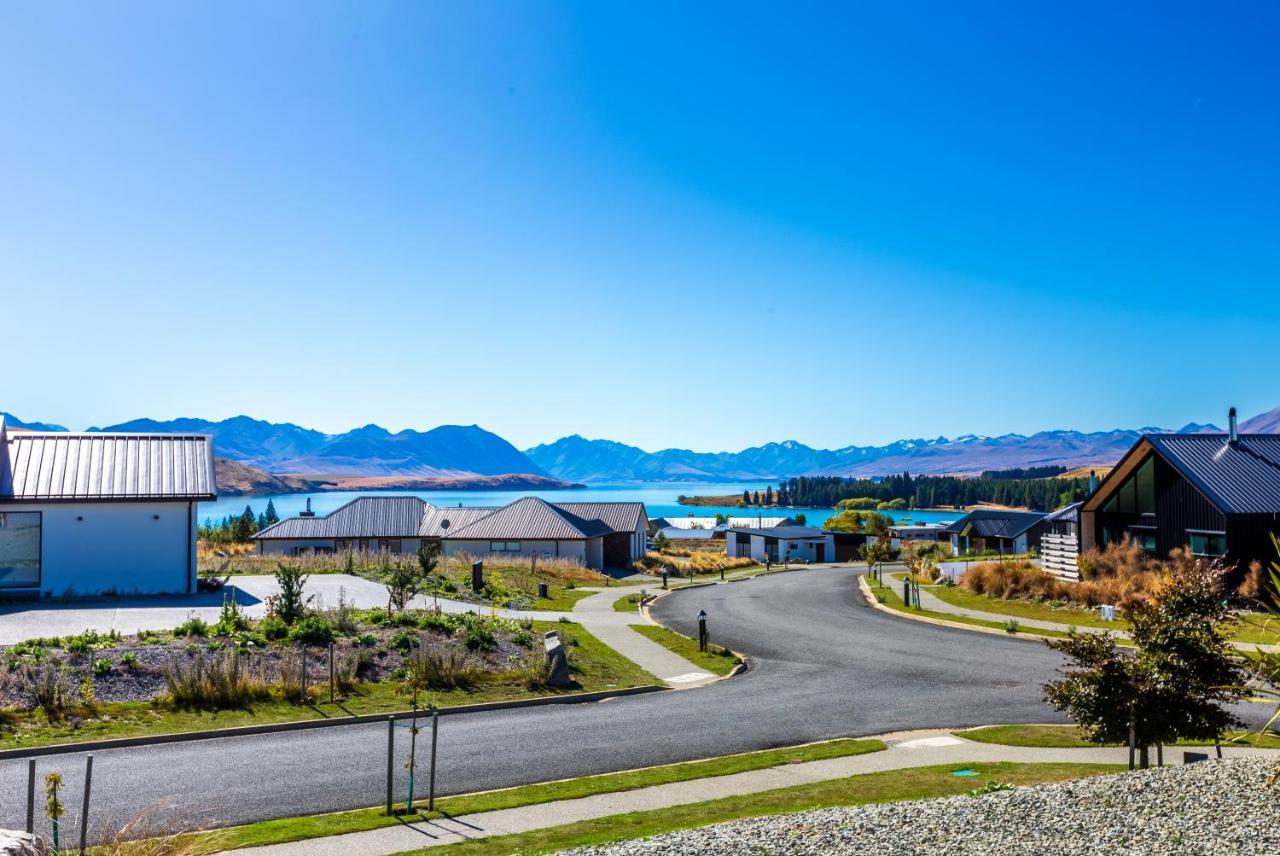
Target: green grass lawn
562	599
1254	629
630	603
299	828
1071	737
717	660
595	666
889	786
891	598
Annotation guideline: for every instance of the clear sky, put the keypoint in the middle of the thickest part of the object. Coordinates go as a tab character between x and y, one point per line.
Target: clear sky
706	225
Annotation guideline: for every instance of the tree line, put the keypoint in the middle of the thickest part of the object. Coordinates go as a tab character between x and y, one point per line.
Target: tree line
239	528
1038	494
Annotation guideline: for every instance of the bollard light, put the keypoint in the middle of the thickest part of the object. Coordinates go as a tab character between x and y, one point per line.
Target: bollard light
702	630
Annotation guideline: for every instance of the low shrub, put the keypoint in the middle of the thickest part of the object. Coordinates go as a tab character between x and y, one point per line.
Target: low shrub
193	626
213	681
273	628
312	630
432	668
102	666
47	686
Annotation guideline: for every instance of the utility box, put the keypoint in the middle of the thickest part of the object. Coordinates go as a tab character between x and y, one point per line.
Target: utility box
557	661
543	591
477	576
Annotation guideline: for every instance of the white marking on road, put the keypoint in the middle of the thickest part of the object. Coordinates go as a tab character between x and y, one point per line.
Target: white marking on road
689	678
923	742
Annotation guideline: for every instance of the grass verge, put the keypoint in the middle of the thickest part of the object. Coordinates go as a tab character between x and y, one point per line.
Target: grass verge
300	828
1071	737
717	660
595	666
893	600
889	786
630	603
561	599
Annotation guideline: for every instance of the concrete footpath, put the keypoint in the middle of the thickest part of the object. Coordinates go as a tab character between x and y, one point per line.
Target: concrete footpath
906	750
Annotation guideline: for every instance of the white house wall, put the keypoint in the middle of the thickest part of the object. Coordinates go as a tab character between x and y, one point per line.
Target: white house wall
122	547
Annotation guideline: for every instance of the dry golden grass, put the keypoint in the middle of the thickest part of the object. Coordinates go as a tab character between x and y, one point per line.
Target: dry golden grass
1121	574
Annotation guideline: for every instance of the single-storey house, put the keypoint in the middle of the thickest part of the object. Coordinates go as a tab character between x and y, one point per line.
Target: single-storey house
781	543
1216	494
706	528
100	513
595	534
916	532
993	530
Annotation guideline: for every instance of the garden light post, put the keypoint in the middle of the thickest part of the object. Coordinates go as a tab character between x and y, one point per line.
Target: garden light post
702	630
722	573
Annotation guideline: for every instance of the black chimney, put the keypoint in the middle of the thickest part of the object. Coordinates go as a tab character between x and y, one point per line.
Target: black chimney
1233	435
308	512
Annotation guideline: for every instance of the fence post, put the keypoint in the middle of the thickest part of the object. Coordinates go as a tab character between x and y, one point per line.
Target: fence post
304	673
391	754
435	732
84	811
330	673
31	796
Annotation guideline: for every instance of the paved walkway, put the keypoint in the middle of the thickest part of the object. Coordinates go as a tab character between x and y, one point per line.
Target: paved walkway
911	749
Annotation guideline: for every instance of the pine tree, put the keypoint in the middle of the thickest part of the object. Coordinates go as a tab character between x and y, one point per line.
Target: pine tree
245	526
755	498
746	497
272	517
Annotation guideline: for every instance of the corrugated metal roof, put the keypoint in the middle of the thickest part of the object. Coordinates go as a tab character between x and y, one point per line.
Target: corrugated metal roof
710	522
59	465
618	516
996	523
532	519
1069	513
1240	479
438	522
363	517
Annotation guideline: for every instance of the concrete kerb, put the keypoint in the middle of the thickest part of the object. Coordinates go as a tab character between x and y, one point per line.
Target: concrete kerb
644	613
939	622
307	724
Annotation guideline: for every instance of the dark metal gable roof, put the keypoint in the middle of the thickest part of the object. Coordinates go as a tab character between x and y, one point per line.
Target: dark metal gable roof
996	523
1243	478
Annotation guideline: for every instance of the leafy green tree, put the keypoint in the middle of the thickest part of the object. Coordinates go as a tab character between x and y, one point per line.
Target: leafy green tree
800	519
721	519
402	581
428	558
291	604
860	521
660	541
1179	680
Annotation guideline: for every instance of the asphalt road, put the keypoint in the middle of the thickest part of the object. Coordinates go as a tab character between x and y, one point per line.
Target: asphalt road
823	665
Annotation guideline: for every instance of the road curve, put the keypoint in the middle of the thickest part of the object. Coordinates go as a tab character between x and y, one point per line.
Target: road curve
822	664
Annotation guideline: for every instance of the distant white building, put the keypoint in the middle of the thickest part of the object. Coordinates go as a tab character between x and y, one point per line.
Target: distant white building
91	513
780	543
917	532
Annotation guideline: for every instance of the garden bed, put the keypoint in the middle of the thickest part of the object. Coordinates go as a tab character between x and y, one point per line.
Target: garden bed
198	677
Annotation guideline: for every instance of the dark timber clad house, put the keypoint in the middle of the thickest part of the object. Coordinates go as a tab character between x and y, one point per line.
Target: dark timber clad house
1217	494
996	530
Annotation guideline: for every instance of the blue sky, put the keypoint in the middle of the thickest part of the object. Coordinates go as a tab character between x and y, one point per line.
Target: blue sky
699	225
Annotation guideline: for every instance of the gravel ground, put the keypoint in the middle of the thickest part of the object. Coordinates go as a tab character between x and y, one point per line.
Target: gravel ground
1207	808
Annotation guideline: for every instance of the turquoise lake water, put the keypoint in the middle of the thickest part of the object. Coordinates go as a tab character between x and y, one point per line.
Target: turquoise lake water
659	500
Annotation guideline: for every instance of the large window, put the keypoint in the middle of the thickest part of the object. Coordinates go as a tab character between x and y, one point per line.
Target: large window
1208	543
504	546
1138	493
19	549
